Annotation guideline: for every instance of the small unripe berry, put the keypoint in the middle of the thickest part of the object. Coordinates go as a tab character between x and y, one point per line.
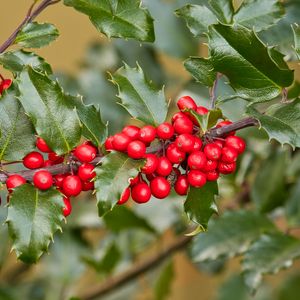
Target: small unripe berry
165	131
181	185
132	132
197	160
136	149
68	207
236	143
85	153
183	125
86	172
42	145
43	180
186	102
185	142
212	151
124	197
175	155
226	168
33	160
14	181
196	178
164	166
72	185
141	193
147	134
229	155
151	164
160	187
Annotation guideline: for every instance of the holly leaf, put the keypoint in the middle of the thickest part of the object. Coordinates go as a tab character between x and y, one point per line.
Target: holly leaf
229	235
281	122
267	255
256	72
112	178
53	116
259	14
35	35
296	32
139	97
202	70
200	204
118	18
15	61
292	206
33	217
223	9
17	133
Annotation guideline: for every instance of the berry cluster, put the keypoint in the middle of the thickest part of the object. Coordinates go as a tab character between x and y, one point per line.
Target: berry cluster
4	84
186	157
70	184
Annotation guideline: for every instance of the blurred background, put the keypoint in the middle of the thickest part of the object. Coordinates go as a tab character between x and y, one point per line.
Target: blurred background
92	250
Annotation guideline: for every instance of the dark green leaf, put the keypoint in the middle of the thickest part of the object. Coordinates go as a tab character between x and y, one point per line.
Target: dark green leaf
54	117
293	205
259	14
201	69
123	218
200	204
113	177
229	235
267	255
15	61
33	217
139	97
35	35
17	133
117	18
290	288
294	90
223	9
281	122
296	31
256	72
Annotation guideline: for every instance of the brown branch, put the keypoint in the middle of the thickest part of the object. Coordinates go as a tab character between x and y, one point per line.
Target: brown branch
115	282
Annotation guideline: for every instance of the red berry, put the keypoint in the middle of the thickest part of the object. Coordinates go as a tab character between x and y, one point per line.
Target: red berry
72	185
197	144
147	134
201	110
196	178
14	181
141	193
134	181
226	168
68	207
109	143
121	142
164	166
178	115
150	176
185	142
85	153
5	84
165	131
58	179
183	125
197	160
210	165
175	155
33	160
236	143
88	185
160	187
56	159
43	180
48	163
219	143
181	185
212	151
136	149
229	155
225	123
125	196
42	145
186	102
86	172
212	175
131	131
151	164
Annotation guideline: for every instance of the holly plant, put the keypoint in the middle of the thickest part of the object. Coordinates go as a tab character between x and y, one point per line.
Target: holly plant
179	153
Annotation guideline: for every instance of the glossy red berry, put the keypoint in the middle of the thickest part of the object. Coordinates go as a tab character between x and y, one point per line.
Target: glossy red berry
58	180
186	102
165	131
56	159
68	207
197	160
141	193
134	181
212	175
14	181
175	155
109	143
210	165
43	180
181	185
226	168
164	166
136	149
33	160
196	178
160	187
236	143
4	85
85	153
151	164
185	142
48	163
86	172
72	185
219	143
197	144
147	134
178	115
87	185
42	145
229	155
121	142
131	131
212	151
183	125
201	110
124	197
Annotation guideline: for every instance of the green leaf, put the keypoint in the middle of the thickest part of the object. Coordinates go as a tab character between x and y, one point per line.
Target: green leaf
200	204
53	116
35	35
163	284
15	61
290	288
267	255
256	72
281	122
139	97
229	235
259	14
33	217
223	9
292	206
123	218
118	18
294	90
198	18
93	127
202	70
112	179
296	32
17	133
